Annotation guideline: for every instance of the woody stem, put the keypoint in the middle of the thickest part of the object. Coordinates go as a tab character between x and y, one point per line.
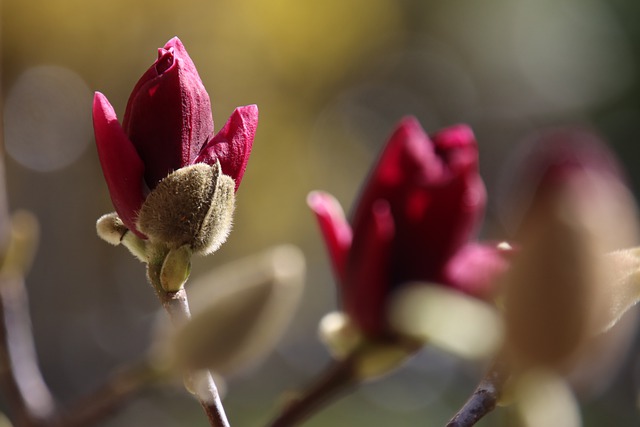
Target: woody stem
484	398
338	377
176	305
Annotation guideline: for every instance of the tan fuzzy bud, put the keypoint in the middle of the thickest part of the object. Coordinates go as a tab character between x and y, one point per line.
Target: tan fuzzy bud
192	206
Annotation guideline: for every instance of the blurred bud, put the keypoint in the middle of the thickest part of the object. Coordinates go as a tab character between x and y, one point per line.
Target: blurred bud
191	206
112	230
446	318
544	399
339	334
240	311
18	256
560	284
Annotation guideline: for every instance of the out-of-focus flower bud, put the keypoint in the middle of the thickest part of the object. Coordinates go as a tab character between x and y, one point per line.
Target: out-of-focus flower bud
451	320
561	288
240	311
413	222
23	240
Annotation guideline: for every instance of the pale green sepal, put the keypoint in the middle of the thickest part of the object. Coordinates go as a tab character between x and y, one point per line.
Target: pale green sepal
176	268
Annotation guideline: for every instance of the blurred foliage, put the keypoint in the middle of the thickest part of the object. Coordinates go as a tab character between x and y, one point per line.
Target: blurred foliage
331	78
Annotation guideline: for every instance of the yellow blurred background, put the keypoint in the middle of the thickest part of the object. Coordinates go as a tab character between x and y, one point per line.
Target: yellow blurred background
331	78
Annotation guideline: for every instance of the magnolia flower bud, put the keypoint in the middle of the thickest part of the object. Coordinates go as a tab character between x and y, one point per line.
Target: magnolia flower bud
561	289
192	206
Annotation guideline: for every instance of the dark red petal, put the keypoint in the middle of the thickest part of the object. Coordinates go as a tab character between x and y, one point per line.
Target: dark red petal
168	116
335	229
435	194
432	224
475	269
123	170
367	286
457	147
232	144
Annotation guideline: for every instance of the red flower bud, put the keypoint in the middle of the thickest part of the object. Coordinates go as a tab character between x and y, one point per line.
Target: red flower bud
413	222
167	125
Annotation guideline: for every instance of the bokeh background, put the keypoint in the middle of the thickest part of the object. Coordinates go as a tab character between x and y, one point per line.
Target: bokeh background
331	78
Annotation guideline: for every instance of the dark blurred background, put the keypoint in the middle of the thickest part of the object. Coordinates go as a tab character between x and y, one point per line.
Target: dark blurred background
331	78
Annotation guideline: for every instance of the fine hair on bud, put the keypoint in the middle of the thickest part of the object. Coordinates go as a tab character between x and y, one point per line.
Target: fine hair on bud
192	206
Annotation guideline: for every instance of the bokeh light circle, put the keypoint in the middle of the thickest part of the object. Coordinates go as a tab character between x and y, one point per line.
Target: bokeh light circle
47	118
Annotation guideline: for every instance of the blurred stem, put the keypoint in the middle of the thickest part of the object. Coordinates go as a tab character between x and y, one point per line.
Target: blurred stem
484	398
20	375
177	306
96	406
337	379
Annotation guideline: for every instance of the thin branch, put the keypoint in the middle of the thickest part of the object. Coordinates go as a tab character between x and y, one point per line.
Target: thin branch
176	305
20	375
337	379
484	398
104	401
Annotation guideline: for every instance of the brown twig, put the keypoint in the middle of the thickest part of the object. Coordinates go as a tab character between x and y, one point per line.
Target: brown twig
484	398
104	401
337	379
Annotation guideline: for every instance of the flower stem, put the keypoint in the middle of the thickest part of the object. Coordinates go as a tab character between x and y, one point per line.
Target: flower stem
337	379
484	398
176	305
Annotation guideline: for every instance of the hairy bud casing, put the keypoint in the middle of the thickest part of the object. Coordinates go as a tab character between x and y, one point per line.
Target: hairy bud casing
192	206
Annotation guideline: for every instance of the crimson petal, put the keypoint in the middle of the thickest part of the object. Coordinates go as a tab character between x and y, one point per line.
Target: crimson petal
366	288
475	268
168	116
232	144
334	227
121	165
